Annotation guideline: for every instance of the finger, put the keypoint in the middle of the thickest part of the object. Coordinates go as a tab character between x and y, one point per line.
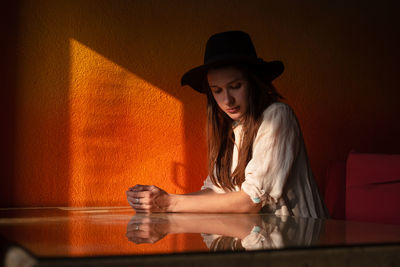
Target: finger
131	201
142	201
143	234
143	188
153	240
131	193
134	205
133	223
137	206
131	228
131	188
135	188
146	228
147	207
141	206
136	201
147	220
138	240
134	227
133	232
139	201
140	187
139	194
154	188
142	211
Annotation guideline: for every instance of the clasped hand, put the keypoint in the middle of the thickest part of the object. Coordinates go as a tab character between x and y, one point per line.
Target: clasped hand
148	198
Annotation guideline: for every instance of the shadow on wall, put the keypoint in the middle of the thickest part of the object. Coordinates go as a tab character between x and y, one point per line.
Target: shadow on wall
8	22
38	119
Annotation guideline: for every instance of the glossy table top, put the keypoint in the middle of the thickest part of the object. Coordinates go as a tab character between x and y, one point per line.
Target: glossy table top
89	232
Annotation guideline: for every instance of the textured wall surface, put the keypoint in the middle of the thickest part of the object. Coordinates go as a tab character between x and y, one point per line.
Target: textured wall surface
92	101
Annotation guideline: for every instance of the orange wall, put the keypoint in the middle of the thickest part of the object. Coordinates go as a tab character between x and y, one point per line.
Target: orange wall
92	102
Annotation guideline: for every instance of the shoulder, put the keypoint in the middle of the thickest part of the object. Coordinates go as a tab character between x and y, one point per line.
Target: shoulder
279	119
279	126
277	111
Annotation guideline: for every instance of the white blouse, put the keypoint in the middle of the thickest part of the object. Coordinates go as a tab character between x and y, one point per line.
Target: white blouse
279	174
277	232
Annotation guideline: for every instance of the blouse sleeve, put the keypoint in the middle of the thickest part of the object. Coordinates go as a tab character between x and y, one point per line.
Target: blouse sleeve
274	150
209	184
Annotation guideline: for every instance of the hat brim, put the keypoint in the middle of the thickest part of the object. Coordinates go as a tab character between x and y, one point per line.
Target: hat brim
195	77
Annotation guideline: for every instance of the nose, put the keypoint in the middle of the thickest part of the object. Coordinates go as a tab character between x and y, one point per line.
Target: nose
228	98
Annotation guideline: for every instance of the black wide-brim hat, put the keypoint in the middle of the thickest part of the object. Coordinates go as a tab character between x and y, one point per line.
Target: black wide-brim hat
228	48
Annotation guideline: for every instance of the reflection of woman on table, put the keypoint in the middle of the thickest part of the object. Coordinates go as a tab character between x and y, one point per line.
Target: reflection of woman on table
227	232
256	154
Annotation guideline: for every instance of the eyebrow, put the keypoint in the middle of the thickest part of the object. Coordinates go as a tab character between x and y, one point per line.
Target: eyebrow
235	80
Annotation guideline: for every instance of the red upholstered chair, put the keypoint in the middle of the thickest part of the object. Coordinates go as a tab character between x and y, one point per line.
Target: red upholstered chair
366	187
373	188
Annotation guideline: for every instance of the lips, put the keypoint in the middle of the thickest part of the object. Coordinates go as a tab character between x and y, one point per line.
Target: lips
233	110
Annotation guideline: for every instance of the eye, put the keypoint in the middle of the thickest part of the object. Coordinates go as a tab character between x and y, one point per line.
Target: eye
216	90
236	85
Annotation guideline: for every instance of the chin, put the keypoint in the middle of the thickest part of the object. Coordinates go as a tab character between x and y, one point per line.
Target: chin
236	117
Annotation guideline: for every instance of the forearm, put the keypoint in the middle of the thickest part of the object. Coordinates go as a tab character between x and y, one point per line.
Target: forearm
232	202
145	198
225	225
206	191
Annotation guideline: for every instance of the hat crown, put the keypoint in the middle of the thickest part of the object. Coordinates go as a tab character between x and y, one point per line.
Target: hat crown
229	44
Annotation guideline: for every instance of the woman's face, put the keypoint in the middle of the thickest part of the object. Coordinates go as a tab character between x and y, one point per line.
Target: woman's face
230	90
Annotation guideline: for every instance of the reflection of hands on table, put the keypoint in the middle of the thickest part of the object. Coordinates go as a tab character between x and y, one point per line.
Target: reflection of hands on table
150	228
147	229
227	231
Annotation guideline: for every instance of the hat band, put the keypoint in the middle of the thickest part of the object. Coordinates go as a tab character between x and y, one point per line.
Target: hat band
229	58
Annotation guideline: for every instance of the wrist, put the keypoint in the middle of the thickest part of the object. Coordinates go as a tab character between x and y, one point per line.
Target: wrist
173	199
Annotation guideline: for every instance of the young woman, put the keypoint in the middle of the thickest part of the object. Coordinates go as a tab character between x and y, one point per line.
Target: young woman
256	154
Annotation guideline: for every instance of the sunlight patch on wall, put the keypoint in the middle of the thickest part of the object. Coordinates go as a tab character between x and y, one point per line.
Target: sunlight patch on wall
124	131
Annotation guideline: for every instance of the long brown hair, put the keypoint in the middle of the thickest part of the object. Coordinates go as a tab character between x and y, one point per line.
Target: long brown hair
220	135
226	243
